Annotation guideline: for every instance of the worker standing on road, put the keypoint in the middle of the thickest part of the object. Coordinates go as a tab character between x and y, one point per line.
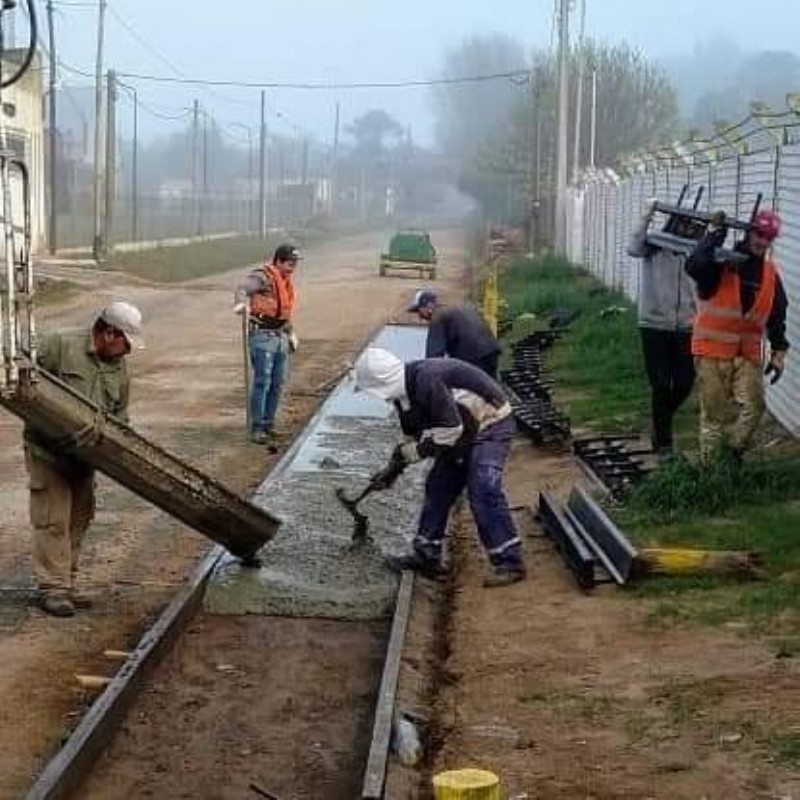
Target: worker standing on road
454	413
666	311
271	339
739	304
458	332
62	500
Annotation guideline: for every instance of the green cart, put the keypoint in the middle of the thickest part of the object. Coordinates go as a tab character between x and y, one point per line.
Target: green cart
410	250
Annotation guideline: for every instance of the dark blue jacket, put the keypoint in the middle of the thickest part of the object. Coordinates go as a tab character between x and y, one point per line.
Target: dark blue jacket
460	332
449	401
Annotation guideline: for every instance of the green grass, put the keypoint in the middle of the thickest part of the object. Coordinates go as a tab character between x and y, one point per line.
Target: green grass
198	259
53	292
600	380
600	374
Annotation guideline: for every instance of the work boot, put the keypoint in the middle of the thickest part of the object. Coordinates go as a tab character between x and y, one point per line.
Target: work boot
80	600
57	604
504	576
416	563
258	437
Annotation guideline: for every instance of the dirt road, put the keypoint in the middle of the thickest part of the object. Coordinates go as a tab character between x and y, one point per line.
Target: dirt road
187	395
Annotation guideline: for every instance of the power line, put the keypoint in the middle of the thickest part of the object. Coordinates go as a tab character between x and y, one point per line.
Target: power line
143	42
328	86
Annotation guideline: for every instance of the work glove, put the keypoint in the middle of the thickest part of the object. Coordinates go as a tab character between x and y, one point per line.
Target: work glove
294	342
775	366
385	478
717	230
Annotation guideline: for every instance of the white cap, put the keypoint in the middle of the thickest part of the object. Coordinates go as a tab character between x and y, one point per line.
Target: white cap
380	374
127	318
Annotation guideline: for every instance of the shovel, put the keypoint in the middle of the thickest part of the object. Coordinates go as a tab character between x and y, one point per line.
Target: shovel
360	521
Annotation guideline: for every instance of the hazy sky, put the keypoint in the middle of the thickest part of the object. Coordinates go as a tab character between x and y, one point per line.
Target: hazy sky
365	40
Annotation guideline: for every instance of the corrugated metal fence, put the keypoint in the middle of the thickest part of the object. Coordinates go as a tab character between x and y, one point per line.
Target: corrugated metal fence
602	214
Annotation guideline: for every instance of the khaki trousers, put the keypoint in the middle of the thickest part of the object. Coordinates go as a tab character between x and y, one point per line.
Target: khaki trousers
62	505
731	402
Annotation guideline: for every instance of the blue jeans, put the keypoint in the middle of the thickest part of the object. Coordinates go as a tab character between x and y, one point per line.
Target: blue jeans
481	472
269	357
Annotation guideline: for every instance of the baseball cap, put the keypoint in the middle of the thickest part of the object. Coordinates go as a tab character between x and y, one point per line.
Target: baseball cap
424	297
286	252
126	318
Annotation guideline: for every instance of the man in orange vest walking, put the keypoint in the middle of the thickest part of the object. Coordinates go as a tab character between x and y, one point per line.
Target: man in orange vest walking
738	305
271	301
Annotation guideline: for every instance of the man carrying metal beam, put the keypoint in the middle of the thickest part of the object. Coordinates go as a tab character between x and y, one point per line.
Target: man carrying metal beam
666	311
62	499
452	412
739	304
457	332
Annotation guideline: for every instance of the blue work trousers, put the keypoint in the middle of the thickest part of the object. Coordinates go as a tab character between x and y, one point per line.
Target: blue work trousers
269	358
481	472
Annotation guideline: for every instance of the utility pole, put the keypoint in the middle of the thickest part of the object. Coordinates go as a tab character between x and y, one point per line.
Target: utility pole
52	232
98	248
335	163
262	169
111	161
195	161
135	171
561	131
204	196
576	156
593	127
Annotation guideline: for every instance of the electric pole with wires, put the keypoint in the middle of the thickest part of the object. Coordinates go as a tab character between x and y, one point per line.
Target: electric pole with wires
560	238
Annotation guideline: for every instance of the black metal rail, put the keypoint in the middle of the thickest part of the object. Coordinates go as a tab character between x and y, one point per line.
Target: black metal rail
612	462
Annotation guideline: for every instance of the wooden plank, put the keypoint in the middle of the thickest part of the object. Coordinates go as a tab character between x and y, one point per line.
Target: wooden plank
63	415
375	774
66	771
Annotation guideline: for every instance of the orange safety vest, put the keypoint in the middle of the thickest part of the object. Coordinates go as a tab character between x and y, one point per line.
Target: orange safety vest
721	330
276	302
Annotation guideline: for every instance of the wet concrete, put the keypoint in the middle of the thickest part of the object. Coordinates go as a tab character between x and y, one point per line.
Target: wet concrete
312	568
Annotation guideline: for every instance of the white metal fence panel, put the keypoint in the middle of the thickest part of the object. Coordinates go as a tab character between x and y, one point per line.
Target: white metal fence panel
612	210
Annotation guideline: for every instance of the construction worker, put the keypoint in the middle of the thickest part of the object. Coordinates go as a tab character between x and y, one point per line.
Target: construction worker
456	331
738	305
271	300
454	413
666	311
62	500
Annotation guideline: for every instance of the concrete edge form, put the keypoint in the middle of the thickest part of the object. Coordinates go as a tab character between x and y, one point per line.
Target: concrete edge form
65	772
375	773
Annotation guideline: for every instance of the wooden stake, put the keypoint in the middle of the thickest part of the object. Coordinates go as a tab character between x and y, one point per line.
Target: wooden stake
93	681
116	655
679	561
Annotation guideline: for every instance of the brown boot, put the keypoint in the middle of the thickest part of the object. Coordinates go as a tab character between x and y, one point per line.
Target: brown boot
504	577
80	600
57	604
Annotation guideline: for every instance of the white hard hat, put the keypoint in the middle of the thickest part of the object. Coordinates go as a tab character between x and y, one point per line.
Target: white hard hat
380	374
127	318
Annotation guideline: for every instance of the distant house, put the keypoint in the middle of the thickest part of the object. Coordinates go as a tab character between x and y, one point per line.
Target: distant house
23	119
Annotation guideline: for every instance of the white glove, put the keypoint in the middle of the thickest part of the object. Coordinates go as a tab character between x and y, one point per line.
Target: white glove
294	342
239	308
410	452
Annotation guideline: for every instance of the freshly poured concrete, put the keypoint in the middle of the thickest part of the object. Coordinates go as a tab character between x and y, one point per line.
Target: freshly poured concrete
311	568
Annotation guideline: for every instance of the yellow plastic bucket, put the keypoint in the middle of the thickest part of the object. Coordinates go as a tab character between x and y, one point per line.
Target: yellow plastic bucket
466	784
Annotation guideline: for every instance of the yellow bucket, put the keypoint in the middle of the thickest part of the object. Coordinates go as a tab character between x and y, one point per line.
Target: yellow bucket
466	784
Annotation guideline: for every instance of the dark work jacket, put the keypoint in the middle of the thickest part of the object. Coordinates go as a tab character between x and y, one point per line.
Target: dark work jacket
707	274
434	416
460	332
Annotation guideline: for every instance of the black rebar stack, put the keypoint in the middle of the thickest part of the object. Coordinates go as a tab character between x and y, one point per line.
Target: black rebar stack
530	389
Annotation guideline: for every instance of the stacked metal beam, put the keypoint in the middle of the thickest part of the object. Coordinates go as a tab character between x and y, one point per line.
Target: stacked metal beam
530	389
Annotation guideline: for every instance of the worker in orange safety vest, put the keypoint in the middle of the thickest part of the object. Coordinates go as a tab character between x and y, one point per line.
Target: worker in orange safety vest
271	339
739	304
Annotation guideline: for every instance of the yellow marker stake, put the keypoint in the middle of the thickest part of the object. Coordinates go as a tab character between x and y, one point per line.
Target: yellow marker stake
466	784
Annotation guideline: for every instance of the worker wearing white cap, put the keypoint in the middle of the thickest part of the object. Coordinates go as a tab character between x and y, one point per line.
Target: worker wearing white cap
62	501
